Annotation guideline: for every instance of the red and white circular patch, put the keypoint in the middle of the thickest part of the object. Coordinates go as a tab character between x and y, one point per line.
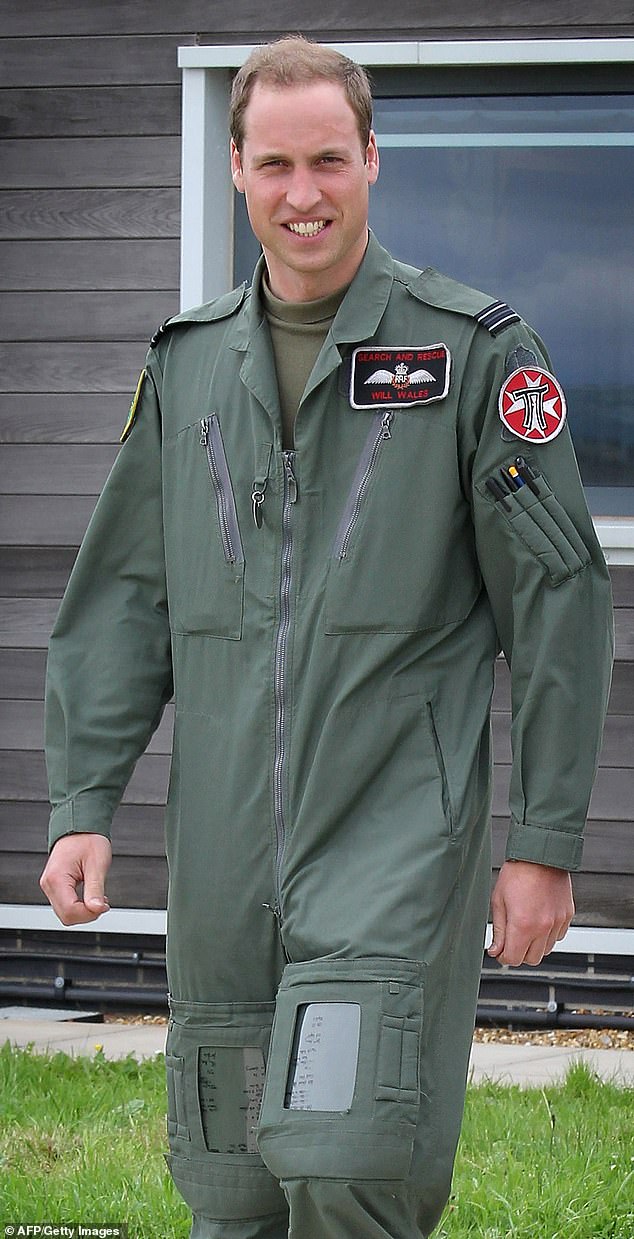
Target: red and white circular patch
532	405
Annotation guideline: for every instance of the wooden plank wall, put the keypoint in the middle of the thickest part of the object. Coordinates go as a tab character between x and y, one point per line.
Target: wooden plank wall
89	224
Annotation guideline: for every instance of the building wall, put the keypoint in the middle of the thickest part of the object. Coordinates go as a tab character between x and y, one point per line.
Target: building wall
89	265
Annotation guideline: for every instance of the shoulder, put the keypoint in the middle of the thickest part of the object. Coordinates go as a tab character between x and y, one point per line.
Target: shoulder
210	312
443	293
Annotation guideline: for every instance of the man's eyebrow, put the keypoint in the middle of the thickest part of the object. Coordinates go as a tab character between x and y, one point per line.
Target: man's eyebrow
330	151
270	156
267	156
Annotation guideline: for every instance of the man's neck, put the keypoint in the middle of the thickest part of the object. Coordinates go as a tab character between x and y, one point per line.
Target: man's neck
298	286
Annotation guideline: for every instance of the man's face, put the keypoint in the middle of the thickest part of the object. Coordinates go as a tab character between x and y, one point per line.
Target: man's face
306	179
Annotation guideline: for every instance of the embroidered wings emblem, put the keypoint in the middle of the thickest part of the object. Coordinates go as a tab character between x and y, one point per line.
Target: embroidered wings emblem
401	376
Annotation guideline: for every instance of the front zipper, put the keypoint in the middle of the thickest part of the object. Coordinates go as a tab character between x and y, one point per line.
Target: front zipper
280	757
211	440
379	433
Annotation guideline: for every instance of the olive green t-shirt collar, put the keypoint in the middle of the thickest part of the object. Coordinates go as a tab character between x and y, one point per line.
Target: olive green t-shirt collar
300	313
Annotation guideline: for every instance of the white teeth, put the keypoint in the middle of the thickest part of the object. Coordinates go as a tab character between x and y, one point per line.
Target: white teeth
309	229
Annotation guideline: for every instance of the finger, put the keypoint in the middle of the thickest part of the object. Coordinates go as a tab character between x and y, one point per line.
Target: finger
76	913
95	897
66	903
558	934
499	933
517	944
552	939
536	952
536	949
94	893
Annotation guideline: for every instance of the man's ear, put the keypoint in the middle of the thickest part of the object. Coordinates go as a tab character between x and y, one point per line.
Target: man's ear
236	168
372	159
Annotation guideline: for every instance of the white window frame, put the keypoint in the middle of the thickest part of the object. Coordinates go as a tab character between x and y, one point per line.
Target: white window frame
207	197
579	940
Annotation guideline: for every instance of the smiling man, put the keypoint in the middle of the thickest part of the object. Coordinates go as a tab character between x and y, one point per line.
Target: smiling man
341	492
306	186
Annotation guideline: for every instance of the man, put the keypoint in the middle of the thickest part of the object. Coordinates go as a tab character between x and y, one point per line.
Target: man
339	493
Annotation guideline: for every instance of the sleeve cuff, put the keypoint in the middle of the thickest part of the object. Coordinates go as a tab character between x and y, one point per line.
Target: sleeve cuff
79	815
544	845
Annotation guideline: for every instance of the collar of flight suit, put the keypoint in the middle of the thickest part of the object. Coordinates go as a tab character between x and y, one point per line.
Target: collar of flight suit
357	319
358	315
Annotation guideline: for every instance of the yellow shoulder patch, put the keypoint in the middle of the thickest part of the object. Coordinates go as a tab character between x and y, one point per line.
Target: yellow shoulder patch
133	407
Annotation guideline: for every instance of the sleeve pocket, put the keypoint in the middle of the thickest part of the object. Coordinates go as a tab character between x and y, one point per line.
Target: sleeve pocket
542	525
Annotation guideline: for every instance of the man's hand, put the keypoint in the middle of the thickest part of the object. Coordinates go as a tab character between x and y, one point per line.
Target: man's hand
74	878
532	907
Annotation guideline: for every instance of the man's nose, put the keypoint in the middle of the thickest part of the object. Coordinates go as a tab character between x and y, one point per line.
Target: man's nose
303	192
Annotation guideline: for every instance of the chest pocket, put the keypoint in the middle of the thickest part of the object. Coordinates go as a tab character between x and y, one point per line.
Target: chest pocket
204	553
402	558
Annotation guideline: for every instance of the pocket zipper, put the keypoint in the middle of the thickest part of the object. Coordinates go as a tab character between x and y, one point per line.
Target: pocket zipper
442	770
211	440
379	432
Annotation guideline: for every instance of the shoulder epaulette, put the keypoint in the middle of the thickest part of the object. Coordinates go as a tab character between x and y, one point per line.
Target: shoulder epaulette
447	294
210	312
496	317
159	332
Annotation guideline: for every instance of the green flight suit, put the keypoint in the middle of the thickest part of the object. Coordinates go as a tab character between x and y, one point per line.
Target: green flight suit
327	620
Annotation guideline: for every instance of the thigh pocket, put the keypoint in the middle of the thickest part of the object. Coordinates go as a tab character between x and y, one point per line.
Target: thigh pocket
342	1092
215	1061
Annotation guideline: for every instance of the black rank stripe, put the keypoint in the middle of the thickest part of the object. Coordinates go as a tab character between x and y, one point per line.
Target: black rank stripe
160	331
496	317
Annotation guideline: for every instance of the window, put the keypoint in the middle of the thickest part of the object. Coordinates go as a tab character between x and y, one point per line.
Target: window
530	198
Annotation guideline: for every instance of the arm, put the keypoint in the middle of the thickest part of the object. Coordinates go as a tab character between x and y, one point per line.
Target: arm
109	667
550	592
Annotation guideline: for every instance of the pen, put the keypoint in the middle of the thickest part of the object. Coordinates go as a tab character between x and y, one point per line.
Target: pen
526	473
512	478
499	494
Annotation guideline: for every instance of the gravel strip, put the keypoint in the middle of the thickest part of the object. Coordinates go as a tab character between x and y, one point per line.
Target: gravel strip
585	1038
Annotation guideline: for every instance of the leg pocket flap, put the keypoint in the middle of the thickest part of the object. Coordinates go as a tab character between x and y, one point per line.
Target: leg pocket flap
342	1093
226	1191
215	1060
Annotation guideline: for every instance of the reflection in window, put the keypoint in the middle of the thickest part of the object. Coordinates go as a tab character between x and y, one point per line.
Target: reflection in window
529	199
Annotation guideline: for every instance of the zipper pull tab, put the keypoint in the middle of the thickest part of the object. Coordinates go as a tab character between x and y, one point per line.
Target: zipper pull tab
204	431
291	480
386	423
257	499
263	454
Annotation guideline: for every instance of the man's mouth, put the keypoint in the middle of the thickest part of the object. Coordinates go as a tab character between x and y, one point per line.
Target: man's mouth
310	228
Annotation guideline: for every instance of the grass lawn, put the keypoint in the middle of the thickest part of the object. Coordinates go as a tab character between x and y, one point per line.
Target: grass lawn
81	1140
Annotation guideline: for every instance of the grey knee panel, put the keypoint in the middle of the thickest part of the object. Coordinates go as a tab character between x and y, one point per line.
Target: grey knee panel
215	1060
342	1092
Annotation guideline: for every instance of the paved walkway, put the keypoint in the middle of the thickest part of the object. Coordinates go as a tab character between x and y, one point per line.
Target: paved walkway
508	1064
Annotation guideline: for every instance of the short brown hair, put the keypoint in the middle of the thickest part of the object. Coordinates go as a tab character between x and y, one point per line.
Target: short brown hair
296	61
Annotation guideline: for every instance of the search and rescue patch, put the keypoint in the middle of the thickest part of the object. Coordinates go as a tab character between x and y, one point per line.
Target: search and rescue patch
400	375
133	407
532	405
